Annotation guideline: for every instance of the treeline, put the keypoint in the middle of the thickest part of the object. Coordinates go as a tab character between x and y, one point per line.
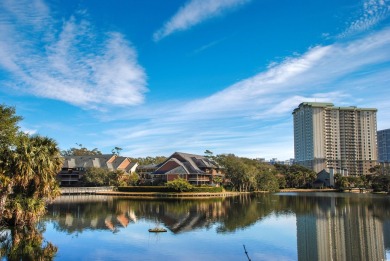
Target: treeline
243	174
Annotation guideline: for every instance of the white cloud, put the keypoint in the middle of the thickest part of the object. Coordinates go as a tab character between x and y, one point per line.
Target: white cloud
68	60
373	12
195	12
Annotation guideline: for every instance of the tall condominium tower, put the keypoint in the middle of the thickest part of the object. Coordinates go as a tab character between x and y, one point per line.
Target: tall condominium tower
384	147
337	139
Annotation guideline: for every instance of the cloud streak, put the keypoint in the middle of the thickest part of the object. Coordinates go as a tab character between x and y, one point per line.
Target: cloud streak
373	12
195	12
73	64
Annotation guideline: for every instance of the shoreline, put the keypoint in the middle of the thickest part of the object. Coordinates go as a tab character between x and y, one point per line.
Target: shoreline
151	195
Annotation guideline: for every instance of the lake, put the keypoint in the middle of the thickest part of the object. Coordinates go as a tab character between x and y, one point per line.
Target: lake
282	226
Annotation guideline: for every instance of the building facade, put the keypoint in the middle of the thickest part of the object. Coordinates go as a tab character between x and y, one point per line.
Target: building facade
196	169
74	167
384	147
337	139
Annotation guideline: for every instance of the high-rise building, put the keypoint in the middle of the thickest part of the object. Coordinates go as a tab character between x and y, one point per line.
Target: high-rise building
384	146
337	139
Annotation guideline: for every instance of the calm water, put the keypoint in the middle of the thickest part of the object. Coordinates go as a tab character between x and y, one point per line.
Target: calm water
285	226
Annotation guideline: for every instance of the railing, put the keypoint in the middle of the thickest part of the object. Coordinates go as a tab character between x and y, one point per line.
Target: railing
84	190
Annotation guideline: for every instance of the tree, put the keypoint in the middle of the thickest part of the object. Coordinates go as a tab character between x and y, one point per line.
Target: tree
8	127
248	174
31	166
149	160
296	175
116	150
80	151
179	184
133	179
28	170
8	136
95	177
266	181
208	154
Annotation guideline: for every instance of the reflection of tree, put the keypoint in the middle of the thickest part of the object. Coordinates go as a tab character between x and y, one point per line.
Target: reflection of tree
26	244
180	215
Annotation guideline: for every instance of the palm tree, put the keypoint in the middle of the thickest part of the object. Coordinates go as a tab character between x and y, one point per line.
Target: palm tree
33	166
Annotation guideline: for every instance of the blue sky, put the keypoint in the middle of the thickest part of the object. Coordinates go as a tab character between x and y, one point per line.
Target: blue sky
155	77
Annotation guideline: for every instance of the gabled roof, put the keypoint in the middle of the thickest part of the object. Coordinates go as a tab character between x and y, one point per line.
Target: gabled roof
105	161
191	163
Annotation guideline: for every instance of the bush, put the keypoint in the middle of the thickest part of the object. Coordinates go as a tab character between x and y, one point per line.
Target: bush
180	184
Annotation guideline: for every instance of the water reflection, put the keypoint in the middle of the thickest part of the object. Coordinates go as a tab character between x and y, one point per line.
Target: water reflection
328	226
335	230
25	243
76	213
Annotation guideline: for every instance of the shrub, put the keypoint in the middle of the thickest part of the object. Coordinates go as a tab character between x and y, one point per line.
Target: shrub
180	184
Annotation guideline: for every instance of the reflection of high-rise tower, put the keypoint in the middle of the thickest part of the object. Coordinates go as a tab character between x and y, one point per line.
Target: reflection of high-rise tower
352	233
386	234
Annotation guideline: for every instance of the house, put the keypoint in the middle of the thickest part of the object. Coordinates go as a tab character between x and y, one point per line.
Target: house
145	173
196	169
326	178
74	167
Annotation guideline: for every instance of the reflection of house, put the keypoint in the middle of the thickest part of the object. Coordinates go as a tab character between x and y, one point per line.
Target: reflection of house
75	166
194	168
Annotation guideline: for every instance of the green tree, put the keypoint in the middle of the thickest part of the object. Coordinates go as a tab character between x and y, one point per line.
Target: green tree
95	177
80	151
248	174
116	150
8	136
32	166
149	160
179	184
266	181
296	175
133	179
8	127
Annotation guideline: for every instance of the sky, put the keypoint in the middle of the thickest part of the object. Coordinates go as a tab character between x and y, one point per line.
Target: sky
155	77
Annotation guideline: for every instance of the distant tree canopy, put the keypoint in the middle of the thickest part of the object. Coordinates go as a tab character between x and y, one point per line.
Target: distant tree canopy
149	160
296	176
247	174
80	151
28	169
97	177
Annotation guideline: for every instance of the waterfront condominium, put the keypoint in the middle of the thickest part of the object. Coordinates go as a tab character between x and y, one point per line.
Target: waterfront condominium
337	139
384	147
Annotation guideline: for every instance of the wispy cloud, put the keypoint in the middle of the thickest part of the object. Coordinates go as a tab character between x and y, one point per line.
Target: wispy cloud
373	12
67	59
195	12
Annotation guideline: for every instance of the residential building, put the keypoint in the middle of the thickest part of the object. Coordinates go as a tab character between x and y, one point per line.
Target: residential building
337	139
384	147
198	170
145	173
74	167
